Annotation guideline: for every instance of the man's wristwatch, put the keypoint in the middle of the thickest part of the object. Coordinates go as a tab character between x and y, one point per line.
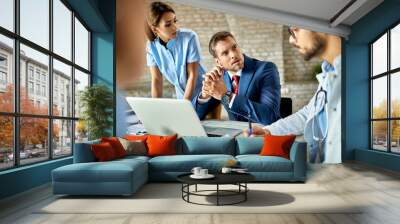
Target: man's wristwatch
226	98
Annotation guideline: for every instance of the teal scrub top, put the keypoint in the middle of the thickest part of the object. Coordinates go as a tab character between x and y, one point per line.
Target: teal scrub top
172	59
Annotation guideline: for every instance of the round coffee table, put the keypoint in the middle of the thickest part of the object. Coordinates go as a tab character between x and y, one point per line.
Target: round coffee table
238	179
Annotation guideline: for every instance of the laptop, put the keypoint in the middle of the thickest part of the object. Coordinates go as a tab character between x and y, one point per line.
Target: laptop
162	116
224	128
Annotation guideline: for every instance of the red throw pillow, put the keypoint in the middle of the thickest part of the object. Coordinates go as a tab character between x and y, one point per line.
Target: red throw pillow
161	145
116	145
277	145
103	152
136	137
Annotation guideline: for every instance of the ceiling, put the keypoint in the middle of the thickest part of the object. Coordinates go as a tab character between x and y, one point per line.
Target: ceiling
330	16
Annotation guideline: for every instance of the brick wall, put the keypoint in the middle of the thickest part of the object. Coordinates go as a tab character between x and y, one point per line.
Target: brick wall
300	92
258	39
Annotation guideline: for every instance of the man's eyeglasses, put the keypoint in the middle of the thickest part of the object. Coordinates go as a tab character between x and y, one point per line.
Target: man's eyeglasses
291	32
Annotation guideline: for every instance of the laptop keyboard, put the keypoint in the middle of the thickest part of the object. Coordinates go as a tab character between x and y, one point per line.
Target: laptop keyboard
218	131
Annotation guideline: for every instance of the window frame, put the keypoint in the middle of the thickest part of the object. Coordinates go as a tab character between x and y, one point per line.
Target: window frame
388	74
16	114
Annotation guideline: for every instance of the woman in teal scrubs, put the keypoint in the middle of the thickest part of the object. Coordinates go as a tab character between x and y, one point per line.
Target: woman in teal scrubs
173	53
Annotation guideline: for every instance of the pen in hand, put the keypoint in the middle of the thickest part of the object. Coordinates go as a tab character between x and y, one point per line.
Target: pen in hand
250	129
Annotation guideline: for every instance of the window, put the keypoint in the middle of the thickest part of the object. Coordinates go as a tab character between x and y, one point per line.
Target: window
62	74
3	61
385	95
81	45
81	81
62	29
30	72
30	87
62	129
37	75
7	143
55	102
7	84
38	89
34	25
3	78
3	72
54	125
44	91
7	14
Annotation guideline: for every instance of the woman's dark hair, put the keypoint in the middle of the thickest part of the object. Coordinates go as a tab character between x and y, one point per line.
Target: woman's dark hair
156	11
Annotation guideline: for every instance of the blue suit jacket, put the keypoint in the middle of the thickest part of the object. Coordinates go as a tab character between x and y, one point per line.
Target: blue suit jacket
259	94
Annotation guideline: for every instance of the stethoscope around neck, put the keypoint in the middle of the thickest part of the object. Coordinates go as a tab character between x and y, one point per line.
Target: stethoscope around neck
321	92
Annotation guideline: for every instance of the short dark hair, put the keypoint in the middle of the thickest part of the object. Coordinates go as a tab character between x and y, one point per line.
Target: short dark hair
222	35
156	11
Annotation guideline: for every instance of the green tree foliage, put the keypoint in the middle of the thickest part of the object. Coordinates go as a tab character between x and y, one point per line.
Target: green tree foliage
97	104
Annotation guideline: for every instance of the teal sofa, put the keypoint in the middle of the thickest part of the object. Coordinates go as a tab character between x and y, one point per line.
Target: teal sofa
125	176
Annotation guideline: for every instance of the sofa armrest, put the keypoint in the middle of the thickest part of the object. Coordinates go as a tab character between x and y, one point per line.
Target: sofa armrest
298	155
83	152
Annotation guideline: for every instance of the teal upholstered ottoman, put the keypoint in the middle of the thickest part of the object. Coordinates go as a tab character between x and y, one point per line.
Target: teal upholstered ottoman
87	177
118	177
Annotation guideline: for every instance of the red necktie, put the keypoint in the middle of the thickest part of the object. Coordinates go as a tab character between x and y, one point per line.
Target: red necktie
235	83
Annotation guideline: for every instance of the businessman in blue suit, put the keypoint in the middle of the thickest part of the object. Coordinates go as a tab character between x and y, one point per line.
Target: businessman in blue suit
246	87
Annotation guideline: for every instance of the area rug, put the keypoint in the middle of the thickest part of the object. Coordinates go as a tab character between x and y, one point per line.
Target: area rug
167	198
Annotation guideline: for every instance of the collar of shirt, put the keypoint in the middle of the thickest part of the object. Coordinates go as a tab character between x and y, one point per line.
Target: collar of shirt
328	68
231	74
170	43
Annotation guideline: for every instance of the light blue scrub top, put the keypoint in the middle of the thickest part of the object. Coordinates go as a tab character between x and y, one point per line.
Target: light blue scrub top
172	60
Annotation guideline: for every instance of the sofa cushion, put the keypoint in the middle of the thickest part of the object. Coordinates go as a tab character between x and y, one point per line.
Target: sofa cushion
136	137
116	145
112	171
134	147
161	145
185	163
257	163
131	158
83	152
277	145
249	145
191	145
103	152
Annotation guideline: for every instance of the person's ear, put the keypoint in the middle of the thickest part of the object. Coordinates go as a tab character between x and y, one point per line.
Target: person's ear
217	62
154	29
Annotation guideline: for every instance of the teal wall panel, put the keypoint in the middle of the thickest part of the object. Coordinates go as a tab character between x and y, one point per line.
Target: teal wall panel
24	178
103	58
379	159
356	75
